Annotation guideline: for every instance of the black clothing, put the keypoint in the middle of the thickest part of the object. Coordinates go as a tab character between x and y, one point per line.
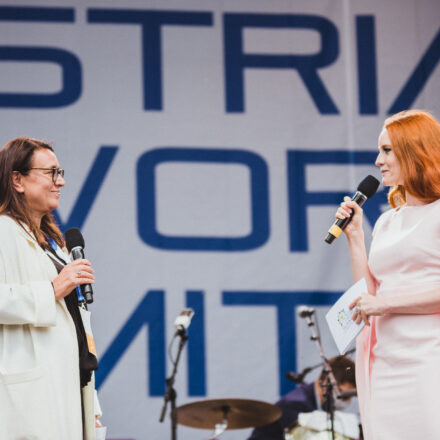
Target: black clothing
301	399
87	361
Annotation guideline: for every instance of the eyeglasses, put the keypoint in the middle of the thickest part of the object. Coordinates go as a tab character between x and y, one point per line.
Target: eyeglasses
55	172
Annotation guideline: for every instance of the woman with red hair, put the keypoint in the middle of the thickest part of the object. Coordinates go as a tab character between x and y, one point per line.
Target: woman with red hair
398	353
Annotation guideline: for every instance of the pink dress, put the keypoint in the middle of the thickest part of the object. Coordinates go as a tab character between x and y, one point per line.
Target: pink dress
398	357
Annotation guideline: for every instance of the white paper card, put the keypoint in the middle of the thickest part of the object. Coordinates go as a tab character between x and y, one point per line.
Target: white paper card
343	329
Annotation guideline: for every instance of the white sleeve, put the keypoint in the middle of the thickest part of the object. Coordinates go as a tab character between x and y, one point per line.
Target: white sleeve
28	303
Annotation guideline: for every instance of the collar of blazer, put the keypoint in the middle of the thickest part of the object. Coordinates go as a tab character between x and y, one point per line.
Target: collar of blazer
24	231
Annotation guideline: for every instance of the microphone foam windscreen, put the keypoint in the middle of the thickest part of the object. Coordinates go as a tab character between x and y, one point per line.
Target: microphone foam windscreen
368	186
73	238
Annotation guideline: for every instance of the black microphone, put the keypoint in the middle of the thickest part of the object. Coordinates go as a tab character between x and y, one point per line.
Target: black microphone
75	246
366	189
347	394
298	378
305	312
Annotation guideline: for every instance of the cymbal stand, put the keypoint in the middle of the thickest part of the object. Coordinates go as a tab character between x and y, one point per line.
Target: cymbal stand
330	383
221	427
170	393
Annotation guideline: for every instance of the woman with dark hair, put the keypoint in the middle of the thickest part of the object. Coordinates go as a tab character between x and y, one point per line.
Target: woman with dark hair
398	352
44	359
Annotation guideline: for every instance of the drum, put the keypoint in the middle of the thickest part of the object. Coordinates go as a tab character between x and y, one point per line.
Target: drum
315	425
302	433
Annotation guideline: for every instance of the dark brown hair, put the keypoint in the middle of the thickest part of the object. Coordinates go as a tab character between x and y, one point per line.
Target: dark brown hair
16	155
343	369
415	139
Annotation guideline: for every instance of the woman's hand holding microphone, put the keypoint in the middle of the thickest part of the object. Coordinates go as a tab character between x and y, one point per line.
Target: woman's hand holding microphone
346	208
72	275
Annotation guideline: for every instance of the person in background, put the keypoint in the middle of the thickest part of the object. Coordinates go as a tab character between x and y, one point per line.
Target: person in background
398	351
308	398
44	357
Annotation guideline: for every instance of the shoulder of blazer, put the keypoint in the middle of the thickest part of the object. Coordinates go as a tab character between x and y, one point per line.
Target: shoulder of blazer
9	227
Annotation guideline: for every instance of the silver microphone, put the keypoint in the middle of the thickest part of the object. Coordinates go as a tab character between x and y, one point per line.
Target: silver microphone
305	312
183	321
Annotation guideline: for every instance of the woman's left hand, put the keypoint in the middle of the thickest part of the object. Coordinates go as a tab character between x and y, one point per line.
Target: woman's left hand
367	305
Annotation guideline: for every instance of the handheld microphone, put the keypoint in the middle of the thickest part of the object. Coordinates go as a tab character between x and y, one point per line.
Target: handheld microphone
347	394
366	189
298	378
75	246
305	312
183	321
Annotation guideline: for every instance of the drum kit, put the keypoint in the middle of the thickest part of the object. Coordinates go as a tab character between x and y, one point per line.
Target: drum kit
219	415
303	433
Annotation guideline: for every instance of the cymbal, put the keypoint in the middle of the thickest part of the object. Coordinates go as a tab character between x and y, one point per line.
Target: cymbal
239	413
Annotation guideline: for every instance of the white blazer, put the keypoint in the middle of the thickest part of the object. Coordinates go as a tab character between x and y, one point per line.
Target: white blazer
39	365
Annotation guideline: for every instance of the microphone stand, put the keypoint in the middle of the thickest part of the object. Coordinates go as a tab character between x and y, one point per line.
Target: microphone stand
330	383
330	403
170	393
299	378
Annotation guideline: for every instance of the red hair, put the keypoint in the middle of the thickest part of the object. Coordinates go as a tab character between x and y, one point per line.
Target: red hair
415	139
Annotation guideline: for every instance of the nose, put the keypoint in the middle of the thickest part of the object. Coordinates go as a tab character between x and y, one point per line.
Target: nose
60	180
379	160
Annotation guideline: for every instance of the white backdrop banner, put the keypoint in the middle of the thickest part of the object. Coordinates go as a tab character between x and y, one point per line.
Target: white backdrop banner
206	145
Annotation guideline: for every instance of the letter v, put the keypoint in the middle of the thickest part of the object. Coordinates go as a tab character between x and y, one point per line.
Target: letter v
89	190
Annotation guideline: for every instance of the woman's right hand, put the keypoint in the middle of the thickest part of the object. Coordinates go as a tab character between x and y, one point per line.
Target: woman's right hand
72	275
344	211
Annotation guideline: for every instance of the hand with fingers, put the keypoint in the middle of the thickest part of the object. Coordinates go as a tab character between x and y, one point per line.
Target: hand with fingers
350	208
367	305
72	275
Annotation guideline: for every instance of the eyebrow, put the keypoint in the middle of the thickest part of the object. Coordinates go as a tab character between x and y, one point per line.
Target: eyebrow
53	165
